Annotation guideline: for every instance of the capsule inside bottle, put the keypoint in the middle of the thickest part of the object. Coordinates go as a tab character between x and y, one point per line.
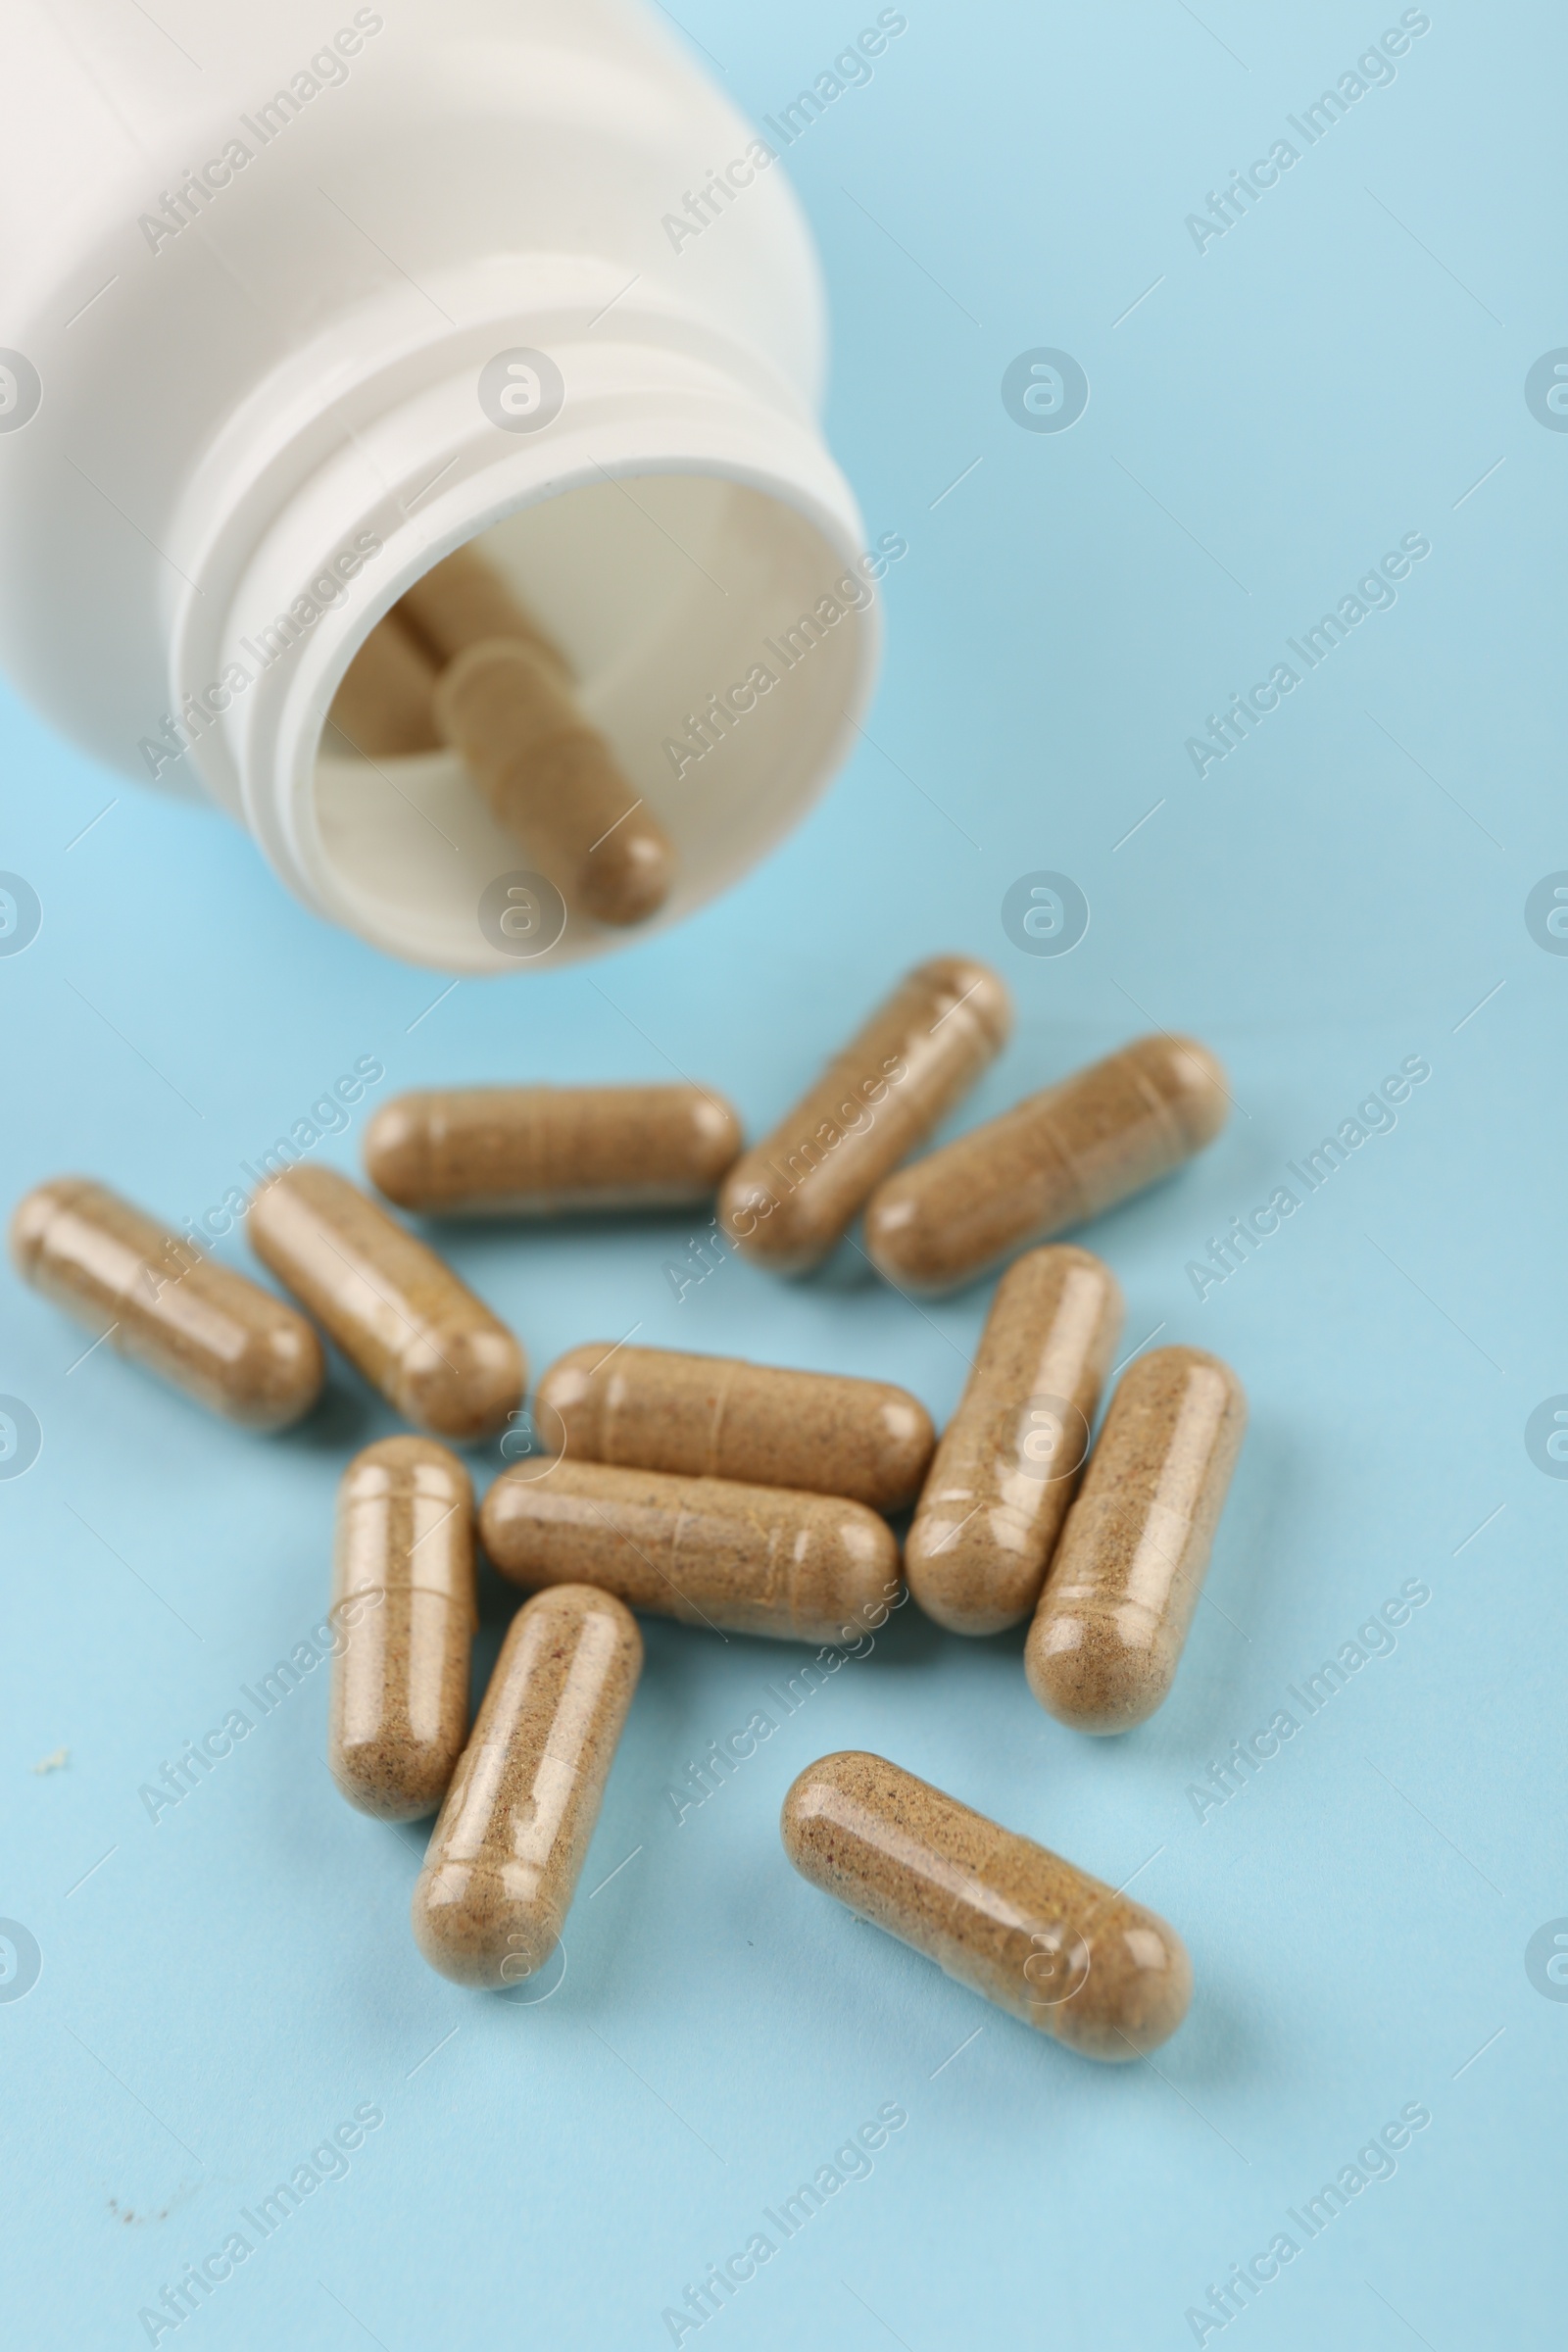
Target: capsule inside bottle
403	1609
1055	1947
504	698
1055	1159
460	660
537	1151
791	1198
714	1417
505	1856
398	1311
710	1551
157	1299
1120	1594
554	782
1011	1458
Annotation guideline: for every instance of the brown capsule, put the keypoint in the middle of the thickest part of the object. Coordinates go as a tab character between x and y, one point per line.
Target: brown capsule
397	1311
461	602
155	1299
505	1856
535	1150
505	700
385	708
1054	1159
403	1598
1042	1939
1009	1459
554	782
795	1194
711	1416
707	1551
1106	1639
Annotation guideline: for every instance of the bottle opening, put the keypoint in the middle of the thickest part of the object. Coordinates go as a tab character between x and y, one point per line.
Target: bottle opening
718	640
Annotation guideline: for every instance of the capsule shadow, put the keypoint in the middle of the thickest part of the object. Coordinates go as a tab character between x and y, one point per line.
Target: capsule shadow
846	1270
347	1415
499	1602
1232	1676
1217	2046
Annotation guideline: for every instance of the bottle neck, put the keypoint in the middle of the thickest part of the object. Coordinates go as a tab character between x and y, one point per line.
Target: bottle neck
658	495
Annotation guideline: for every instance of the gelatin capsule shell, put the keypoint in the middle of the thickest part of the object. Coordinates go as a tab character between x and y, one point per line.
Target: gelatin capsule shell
492	1899
541	1151
154	1298
404	1604
1124	1588
709	1551
791	1199
1054	1161
397	1311
1010	1460
711	1416
1062	1951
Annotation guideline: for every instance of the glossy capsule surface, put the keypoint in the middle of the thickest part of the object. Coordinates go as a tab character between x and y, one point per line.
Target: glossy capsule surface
397	1311
1035	1934
791	1199
714	1417
153	1297
1055	1159
1011	1458
505	697
553	781
403	1601
1121	1591
536	1150
505	1856
710	1551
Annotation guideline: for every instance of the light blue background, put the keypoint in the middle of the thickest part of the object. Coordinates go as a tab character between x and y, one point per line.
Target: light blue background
1338	895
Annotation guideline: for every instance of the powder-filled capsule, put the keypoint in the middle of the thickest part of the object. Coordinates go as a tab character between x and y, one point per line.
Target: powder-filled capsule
1054	1159
397	1311
793	1196
1042	1939
553	781
1009	1459
385	708
536	1150
1122	1589
403	1596
504	699
713	1416
156	1299
504	1858
741	1560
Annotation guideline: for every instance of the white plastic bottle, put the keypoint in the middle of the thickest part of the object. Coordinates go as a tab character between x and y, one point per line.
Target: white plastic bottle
299	298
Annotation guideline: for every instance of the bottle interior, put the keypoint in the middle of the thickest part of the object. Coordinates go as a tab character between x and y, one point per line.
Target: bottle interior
719	645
